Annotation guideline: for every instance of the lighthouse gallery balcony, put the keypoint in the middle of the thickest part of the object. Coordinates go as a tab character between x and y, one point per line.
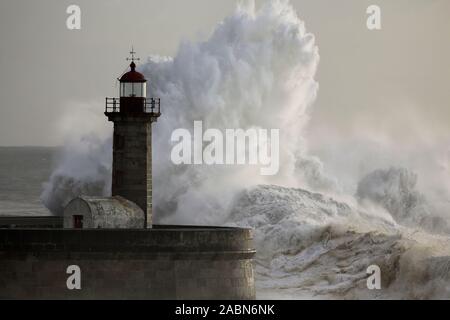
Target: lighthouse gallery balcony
148	106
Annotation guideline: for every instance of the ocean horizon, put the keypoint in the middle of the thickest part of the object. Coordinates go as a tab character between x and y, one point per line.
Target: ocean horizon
23	172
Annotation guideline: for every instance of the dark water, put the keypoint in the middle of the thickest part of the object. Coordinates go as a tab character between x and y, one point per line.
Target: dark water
23	170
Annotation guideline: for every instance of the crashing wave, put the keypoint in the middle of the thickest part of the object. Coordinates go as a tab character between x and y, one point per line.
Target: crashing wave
311	245
395	190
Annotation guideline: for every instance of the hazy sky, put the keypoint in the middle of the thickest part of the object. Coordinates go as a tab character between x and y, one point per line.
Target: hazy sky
390	81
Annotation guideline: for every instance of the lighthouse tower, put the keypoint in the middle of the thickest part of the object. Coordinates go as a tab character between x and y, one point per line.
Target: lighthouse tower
133	114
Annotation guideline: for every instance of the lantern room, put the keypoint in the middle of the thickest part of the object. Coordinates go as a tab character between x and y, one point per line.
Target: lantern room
133	96
133	83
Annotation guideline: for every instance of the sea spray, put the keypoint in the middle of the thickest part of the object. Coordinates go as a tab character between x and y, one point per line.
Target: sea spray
84	168
256	70
395	190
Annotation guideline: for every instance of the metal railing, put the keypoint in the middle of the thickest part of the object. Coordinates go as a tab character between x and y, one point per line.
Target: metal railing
150	105
112	105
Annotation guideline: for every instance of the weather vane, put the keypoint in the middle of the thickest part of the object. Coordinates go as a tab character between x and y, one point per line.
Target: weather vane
132	52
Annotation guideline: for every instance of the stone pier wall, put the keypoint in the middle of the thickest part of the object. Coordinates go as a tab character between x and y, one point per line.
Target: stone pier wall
159	263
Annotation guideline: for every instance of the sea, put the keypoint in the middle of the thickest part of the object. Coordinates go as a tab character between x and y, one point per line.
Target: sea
309	245
23	171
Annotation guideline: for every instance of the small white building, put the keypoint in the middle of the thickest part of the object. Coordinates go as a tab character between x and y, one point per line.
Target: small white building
103	212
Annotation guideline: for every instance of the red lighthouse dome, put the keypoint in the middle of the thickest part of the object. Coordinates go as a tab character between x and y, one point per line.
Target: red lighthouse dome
132	75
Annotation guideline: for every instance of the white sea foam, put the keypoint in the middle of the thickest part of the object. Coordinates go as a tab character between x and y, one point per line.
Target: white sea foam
312	246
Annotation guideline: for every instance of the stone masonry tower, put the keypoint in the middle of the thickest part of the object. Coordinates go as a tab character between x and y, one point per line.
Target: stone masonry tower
133	114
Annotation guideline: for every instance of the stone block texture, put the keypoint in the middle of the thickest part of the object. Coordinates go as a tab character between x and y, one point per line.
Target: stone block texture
159	263
132	161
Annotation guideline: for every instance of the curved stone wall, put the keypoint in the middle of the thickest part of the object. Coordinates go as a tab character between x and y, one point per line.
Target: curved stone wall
166	262
104	212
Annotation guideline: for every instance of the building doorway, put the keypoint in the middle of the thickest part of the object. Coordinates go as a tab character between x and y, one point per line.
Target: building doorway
78	221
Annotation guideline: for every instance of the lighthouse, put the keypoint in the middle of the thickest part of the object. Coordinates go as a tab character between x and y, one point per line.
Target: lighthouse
175	262
133	114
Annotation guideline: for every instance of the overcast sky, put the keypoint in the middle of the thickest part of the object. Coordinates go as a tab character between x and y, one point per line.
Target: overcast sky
367	78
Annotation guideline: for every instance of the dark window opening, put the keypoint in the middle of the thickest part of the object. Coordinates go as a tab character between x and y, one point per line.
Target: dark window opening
78	222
